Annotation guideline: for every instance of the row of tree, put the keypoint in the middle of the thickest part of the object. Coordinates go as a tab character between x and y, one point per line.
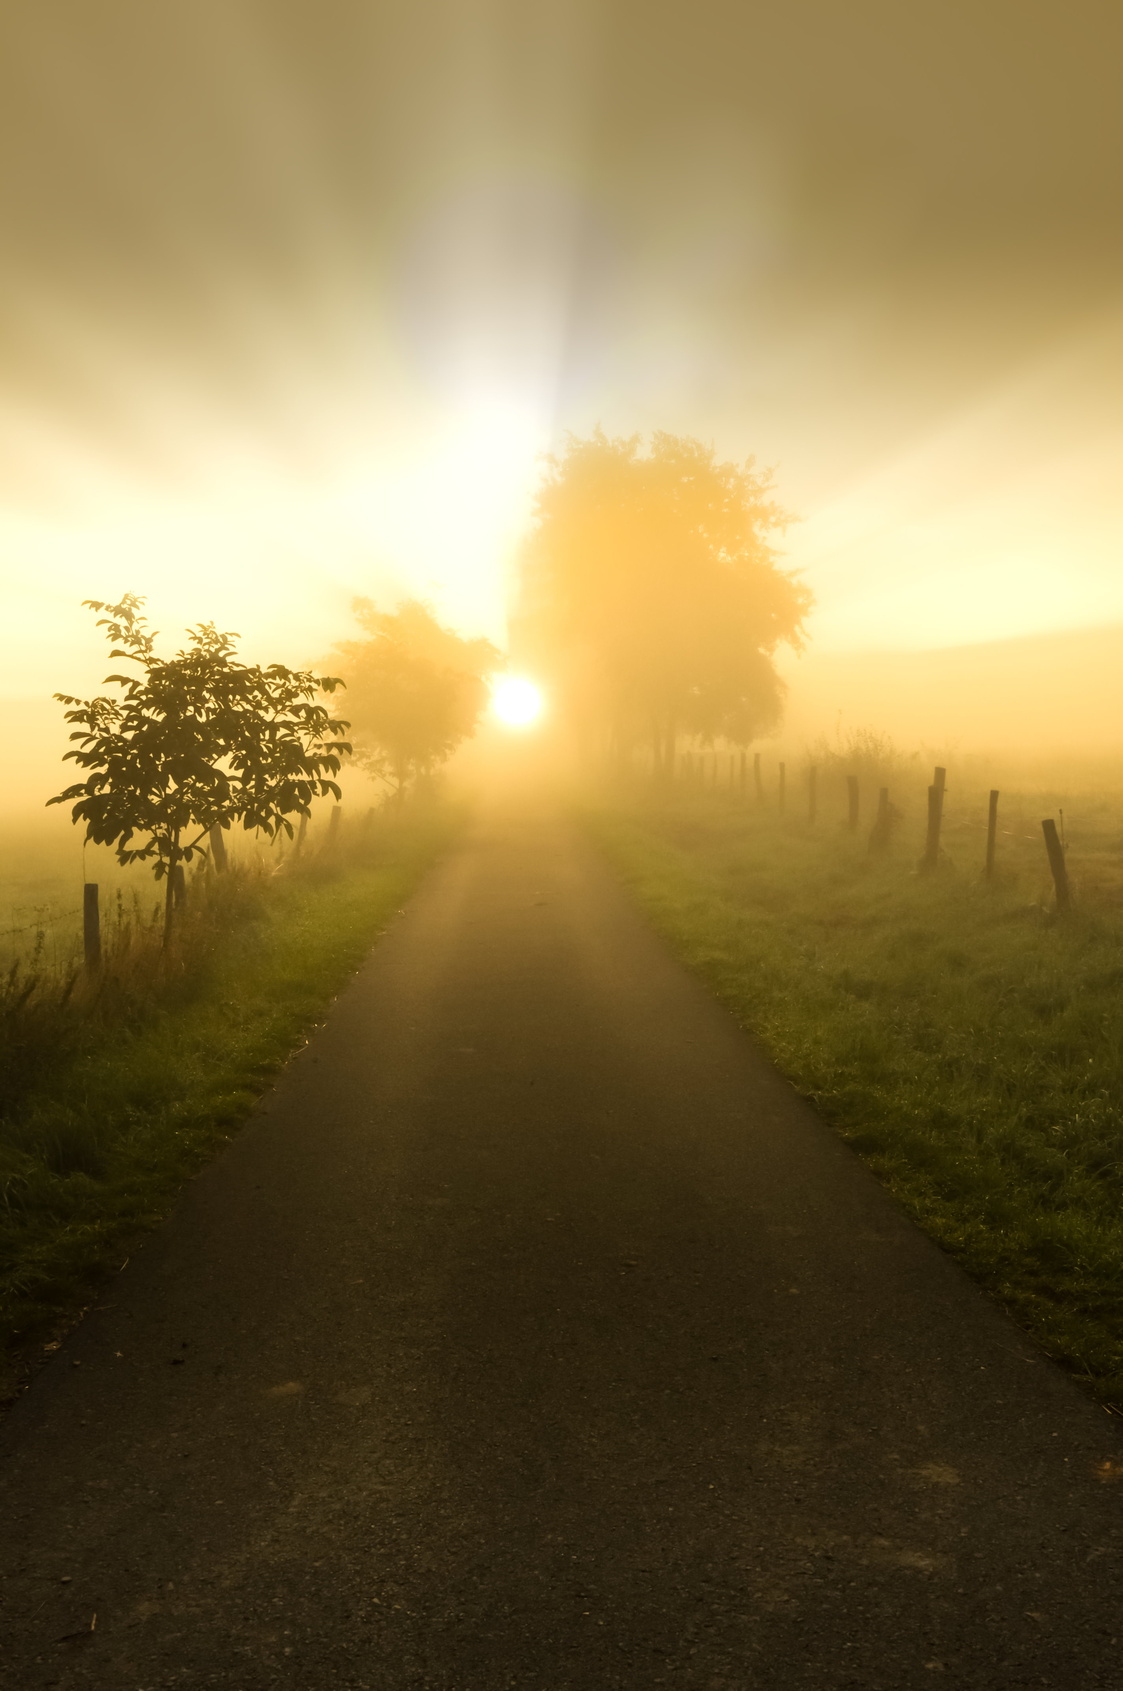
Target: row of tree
201	741
651	602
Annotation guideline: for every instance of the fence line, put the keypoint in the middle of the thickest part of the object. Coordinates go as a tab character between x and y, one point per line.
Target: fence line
43	922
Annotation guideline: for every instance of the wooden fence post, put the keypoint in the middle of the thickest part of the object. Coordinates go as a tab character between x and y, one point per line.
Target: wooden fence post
91	926
812	795
783	787
300	833
758	778
333	827
935	819
218	849
732	777
879	833
179	886
744	772
992	831
1057	863
852	801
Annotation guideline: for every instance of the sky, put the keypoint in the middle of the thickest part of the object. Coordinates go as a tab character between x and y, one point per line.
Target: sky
294	295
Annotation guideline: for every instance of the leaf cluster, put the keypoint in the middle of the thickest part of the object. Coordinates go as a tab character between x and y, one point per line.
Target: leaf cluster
196	741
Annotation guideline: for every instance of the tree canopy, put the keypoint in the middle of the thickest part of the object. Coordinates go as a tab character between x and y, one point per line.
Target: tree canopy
194	742
651	594
415	690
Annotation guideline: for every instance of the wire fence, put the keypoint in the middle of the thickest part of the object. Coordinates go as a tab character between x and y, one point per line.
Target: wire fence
41	921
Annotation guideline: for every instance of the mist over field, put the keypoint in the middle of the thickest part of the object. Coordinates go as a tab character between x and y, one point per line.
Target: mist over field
1034	697
319	350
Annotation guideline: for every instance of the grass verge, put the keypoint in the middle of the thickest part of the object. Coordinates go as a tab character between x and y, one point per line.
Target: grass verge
965	1042
118	1091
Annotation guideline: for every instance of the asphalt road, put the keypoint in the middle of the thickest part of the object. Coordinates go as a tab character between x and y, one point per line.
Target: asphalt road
535	1335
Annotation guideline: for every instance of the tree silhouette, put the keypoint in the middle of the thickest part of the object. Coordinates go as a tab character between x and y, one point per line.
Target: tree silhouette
651	595
415	690
195	742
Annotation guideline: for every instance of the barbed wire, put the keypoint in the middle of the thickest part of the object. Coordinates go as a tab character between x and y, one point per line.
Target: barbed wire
42	922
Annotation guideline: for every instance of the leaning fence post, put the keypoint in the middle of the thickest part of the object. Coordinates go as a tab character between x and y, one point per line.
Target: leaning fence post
218	849
783	794
758	779
333	827
1057	863
879	833
935	818
812	794
91	926
992	831
852	801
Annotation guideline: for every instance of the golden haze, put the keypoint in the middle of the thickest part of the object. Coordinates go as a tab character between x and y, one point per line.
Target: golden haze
294	297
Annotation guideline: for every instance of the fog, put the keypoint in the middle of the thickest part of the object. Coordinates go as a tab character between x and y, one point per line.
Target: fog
295	297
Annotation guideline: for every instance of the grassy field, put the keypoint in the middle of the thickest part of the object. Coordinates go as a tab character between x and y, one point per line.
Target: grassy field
117	1089
962	1038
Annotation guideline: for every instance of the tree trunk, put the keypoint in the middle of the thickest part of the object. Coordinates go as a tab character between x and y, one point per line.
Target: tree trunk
169	892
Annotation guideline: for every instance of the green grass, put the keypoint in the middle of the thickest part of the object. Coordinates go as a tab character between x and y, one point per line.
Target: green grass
967	1043
118	1091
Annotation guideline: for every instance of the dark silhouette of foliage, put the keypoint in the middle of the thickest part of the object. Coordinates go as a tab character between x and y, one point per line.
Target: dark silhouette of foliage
651	594
415	690
195	742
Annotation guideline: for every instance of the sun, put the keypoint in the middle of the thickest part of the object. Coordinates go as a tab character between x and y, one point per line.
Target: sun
516	702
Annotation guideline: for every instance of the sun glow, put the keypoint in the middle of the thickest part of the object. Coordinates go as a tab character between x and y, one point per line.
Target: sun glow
517	703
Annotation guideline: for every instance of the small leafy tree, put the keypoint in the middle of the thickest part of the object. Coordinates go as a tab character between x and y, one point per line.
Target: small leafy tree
195	742
415	690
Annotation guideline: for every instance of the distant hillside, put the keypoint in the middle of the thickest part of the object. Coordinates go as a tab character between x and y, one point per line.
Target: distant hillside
1041	692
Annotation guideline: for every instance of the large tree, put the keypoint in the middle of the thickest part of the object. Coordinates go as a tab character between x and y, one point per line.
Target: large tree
415	690
651	593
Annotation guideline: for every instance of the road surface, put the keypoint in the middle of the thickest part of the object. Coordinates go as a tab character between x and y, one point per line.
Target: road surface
535	1335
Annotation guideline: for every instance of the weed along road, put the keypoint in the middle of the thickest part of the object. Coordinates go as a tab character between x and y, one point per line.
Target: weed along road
535	1335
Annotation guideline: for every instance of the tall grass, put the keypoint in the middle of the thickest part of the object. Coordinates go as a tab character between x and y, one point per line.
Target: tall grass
966	1042
118	1084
